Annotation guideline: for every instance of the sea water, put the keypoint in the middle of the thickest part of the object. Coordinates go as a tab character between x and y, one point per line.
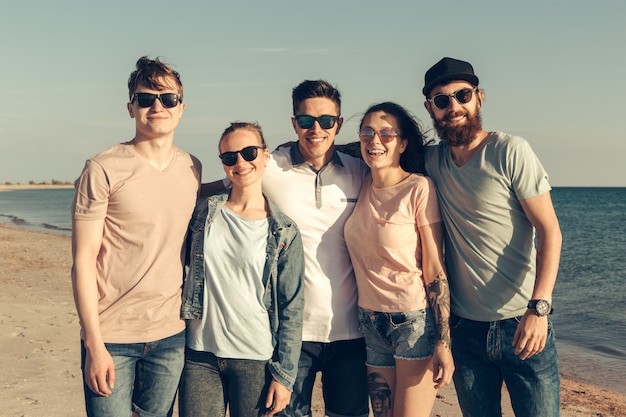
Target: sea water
42	210
590	294
589	297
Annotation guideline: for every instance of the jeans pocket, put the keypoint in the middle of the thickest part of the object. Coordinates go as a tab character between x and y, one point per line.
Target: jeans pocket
455	321
361	326
407	318
365	321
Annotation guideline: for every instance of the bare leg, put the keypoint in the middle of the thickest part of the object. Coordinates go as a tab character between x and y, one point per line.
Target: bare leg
415	391
381	386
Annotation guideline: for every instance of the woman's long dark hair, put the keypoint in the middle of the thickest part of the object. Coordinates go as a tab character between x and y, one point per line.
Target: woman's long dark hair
412	159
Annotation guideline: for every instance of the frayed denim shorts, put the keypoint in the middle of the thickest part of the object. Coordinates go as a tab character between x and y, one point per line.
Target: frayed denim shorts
410	335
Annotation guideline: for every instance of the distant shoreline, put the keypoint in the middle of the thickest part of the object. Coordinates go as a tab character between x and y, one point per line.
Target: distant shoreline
14	187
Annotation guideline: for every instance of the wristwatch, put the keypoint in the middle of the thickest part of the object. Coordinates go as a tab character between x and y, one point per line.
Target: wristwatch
540	307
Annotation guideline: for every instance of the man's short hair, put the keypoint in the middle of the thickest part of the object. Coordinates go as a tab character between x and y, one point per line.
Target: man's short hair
152	73
315	88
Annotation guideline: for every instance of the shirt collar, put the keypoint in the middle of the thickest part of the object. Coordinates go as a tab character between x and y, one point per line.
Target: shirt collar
298	159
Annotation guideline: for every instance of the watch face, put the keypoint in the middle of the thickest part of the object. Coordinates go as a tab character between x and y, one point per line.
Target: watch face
542	307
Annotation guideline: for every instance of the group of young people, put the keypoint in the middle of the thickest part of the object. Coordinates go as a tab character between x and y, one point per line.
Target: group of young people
392	266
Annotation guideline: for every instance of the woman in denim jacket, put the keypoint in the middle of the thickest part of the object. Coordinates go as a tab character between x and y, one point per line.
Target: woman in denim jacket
243	294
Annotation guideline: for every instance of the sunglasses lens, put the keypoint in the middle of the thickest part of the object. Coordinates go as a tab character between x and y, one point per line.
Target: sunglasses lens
145	99
464	96
229	158
387	135
249	153
441	101
366	134
304	121
169	100
327	122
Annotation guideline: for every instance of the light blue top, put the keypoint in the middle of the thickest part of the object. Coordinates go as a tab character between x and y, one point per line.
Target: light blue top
235	323
283	273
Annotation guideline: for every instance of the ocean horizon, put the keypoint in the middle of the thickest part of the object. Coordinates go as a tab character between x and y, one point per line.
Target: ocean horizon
589	297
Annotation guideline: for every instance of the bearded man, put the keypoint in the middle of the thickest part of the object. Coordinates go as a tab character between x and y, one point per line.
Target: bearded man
495	202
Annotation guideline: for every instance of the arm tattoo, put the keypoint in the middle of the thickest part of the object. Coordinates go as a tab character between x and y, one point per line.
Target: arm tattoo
439	301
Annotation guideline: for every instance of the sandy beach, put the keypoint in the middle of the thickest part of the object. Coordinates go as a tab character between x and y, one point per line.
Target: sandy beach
39	335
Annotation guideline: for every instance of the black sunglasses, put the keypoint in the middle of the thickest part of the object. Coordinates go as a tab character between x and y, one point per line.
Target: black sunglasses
463	96
306	122
168	100
249	153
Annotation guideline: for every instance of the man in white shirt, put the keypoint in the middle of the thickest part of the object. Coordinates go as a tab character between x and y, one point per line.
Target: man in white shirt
317	187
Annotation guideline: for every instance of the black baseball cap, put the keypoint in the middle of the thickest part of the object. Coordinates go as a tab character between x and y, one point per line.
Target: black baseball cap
446	70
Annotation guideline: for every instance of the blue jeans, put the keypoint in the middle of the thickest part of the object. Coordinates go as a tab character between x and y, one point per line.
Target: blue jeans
344	379
146	378
484	357
210	383
390	336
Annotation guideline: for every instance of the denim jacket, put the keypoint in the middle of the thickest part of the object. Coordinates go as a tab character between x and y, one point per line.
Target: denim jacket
283	276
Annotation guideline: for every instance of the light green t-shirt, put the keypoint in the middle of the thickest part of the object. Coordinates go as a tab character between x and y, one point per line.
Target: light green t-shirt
490	243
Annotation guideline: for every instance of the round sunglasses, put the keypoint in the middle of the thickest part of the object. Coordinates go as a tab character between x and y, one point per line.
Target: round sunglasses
443	101
386	134
306	122
168	100
249	153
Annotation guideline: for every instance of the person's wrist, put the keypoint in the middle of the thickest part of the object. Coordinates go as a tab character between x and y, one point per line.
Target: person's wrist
540	307
444	343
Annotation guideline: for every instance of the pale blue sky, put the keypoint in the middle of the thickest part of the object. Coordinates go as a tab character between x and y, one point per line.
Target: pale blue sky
553	71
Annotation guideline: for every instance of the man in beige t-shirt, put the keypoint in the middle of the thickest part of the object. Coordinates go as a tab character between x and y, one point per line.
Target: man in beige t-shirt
131	208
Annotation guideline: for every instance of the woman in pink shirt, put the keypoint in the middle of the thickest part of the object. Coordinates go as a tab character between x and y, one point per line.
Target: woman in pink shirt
395	240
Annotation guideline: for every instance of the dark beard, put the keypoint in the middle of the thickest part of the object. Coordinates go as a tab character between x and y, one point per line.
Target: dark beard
458	135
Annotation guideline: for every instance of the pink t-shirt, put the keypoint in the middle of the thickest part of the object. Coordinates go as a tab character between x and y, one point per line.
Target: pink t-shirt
140	265
384	243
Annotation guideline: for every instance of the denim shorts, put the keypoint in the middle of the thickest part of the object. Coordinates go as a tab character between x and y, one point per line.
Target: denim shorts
408	335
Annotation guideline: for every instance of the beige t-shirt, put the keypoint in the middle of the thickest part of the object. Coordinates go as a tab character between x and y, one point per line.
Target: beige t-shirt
384	243
140	265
